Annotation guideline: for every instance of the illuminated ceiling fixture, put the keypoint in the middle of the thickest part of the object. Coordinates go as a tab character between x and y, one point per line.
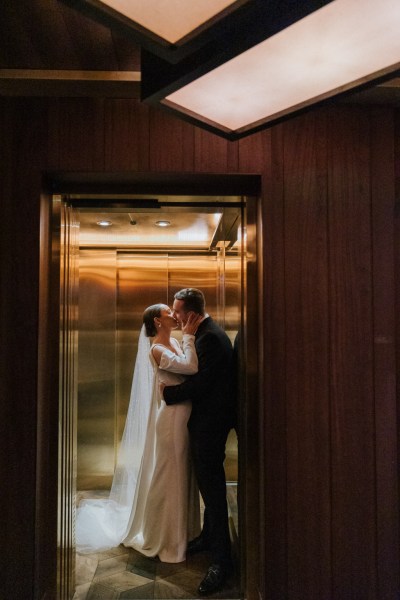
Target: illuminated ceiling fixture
104	223
170	28
163	223
287	57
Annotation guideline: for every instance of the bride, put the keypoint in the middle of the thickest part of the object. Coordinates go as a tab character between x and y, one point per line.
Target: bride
153	505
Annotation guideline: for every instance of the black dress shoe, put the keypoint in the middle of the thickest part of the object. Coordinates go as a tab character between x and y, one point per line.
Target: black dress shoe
213	581
196	545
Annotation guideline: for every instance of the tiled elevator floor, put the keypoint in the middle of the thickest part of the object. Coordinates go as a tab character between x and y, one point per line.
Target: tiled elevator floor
123	573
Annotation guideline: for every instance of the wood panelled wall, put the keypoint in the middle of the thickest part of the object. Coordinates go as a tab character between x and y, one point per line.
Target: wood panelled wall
330	287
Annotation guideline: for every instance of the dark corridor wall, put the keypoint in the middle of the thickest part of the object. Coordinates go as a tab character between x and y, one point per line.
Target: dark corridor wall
329	465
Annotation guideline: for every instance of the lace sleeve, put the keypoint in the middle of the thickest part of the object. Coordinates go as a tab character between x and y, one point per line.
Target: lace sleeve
185	364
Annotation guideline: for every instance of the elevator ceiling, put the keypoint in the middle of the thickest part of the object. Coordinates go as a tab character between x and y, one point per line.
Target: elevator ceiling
180	227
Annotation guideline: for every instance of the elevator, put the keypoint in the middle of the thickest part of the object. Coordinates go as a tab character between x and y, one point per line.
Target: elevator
127	261
125	254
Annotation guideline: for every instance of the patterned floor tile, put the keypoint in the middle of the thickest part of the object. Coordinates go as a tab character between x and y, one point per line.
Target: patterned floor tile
120	582
118	550
165	589
109	566
186	581
142	565
198	563
145	592
85	569
98	591
165	570
124	574
81	591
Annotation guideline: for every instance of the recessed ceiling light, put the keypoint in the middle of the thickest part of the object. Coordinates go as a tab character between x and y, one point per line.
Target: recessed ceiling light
163	223
104	223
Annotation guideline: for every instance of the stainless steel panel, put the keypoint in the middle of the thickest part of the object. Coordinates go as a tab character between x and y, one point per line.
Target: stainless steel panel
232	323
232	282
96	379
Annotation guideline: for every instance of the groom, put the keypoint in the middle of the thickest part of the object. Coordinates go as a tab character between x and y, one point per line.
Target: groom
211	419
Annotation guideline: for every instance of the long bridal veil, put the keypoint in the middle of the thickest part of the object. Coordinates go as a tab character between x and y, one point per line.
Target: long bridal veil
102	524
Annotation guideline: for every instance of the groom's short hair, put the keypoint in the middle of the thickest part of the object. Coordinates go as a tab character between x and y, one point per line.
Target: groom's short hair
193	299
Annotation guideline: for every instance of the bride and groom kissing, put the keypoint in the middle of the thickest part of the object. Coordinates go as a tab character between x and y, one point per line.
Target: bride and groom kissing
181	410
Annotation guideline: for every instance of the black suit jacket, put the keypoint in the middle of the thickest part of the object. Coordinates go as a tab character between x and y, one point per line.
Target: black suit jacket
210	389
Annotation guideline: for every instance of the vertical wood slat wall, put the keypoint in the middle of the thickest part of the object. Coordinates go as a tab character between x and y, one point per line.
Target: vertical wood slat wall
351	358
330	294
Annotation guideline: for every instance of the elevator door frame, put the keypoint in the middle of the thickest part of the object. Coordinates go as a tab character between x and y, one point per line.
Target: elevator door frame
251	505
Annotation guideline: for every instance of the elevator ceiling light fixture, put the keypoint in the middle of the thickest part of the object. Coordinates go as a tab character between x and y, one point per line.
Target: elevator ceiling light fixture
104	223
293	62
163	223
167	28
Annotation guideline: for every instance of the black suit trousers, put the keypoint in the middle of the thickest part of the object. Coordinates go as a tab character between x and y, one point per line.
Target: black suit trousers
208	450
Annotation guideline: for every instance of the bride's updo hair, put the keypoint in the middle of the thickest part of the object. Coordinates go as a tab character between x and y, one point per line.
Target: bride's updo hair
148	318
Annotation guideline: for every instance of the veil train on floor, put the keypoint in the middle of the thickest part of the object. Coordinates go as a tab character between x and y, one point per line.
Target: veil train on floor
102	523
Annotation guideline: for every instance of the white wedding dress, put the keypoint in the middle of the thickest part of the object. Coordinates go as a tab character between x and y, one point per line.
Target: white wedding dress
154	504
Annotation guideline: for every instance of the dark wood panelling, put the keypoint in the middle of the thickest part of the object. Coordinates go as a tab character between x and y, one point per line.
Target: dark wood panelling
387	495
126	136
351	341
87	42
397	292
76	139
212	154
12	28
23	144
254	153
127	52
307	358
328	405
233	157
275	368
171	143
47	34
254	156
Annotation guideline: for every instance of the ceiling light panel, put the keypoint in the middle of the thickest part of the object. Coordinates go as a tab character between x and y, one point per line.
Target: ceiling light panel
341	46
171	20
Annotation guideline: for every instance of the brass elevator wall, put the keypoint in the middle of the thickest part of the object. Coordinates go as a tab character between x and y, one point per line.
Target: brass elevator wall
96	372
115	288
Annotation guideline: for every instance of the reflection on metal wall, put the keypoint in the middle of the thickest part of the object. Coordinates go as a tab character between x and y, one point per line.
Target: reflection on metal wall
232	286
96	391
115	289
199	271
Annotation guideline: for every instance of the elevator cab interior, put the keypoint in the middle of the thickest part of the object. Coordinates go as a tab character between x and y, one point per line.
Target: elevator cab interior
131	252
